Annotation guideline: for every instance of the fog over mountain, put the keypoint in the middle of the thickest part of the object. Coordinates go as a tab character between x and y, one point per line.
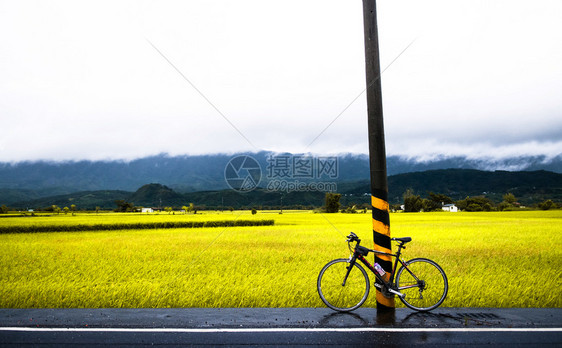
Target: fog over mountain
207	172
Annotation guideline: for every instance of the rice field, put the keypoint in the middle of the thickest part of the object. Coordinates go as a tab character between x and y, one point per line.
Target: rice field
493	259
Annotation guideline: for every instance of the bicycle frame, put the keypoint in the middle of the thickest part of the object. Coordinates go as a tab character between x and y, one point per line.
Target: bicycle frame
358	256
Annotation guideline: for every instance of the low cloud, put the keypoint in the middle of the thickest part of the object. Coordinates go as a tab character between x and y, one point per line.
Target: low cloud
464	88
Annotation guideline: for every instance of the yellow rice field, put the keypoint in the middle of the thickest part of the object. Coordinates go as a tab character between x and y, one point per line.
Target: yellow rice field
493	259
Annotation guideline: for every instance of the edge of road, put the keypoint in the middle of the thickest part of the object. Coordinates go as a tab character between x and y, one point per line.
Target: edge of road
305	318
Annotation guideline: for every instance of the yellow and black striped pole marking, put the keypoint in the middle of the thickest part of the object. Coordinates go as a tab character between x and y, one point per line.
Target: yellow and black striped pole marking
377	152
381	236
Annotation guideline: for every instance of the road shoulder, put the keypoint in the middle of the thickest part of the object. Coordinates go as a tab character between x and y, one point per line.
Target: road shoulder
281	318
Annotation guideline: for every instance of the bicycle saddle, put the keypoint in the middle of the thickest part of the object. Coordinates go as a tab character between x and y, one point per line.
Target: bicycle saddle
403	239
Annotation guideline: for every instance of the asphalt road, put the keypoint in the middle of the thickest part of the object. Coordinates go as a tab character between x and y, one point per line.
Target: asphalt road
279	327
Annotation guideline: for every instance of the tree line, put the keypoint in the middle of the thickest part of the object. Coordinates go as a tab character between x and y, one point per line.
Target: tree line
435	202
412	203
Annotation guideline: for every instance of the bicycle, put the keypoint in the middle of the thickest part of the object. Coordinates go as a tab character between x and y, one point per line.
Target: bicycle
421	284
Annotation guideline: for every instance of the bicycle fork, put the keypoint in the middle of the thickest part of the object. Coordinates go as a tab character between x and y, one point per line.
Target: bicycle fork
349	267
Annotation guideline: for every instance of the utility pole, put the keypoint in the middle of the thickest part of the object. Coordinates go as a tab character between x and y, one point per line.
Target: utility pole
377	152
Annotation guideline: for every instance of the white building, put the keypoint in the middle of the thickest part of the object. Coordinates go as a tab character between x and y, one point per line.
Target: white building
147	210
450	208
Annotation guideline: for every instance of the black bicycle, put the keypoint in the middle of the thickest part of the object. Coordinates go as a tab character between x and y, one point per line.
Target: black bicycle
343	284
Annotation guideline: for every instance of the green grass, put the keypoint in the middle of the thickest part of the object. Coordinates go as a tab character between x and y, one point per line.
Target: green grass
508	259
133	226
122	218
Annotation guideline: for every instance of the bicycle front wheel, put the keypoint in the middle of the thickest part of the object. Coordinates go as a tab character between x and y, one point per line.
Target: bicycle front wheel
424	284
341	293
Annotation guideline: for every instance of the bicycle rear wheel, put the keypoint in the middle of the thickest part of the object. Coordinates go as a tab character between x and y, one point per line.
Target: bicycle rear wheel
424	284
339	295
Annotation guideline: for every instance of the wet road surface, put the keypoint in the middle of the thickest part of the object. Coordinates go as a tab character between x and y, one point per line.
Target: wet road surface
280	327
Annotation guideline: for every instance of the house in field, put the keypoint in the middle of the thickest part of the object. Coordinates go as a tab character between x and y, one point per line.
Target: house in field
147	210
450	208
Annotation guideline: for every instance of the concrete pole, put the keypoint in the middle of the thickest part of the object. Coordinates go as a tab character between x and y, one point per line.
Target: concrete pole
377	152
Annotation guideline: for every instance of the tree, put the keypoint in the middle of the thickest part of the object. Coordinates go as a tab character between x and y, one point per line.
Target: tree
509	198
254	211
97	210
189	209
332	202
412	202
431	205
440	198
66	210
548	204
3	209
509	201
184	208
474	207
351	209
123	206
435	202
73	209
481	201
503	206
168	209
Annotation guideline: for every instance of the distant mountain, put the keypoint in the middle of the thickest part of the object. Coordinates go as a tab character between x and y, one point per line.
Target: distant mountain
529	187
257	198
155	195
10	195
32	180
104	199
188	173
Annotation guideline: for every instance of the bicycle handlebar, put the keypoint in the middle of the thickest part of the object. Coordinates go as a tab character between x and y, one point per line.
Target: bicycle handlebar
353	238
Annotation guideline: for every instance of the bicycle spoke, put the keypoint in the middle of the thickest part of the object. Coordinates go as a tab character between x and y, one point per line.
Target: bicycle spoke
427	293
337	295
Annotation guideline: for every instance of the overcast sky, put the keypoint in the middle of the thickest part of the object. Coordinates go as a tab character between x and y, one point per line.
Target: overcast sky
103	79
